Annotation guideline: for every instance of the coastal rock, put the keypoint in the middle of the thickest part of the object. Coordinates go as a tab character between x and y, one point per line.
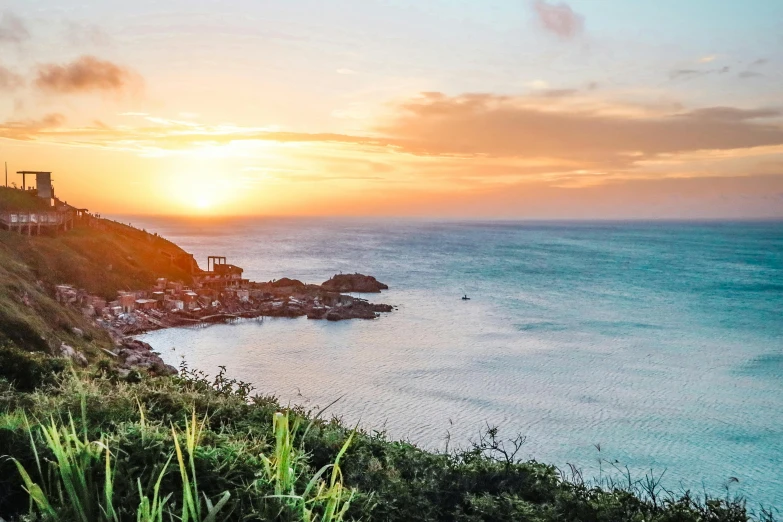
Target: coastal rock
136	354
287	283
358	309
354	283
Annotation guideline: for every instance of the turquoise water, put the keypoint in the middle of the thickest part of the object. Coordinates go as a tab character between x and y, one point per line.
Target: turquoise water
660	343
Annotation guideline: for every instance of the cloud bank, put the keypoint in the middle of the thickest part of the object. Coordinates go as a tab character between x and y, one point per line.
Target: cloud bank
486	124
84	74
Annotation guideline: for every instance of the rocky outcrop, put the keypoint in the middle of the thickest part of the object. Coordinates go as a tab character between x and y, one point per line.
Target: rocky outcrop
351	309
137	355
354	283
287	283
69	352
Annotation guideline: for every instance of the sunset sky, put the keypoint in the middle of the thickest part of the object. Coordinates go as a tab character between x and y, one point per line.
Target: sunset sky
447	108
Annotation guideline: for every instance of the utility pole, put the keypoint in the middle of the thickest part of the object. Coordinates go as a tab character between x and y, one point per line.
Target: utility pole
6	174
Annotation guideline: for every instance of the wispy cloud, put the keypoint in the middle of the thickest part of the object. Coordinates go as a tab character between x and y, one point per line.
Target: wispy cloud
31	129
12	29
84	74
559	19
749	74
694	73
81	34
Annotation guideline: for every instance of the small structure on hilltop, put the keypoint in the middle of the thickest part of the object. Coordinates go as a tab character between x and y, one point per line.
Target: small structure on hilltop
33	210
43	183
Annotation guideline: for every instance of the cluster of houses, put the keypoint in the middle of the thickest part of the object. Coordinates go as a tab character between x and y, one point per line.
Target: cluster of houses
218	290
165	296
173	296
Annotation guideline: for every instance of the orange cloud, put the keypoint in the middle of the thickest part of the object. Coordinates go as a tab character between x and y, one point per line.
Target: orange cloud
84	74
30	129
463	143
502	126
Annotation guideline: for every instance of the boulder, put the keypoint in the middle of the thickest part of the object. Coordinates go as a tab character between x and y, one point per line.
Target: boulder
354	283
69	352
138	355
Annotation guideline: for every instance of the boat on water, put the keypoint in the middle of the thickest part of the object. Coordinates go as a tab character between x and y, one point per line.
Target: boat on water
465	297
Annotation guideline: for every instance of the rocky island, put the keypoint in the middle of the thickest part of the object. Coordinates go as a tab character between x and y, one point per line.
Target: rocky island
356	283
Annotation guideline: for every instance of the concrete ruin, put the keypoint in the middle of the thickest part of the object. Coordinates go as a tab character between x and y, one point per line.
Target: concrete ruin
42	211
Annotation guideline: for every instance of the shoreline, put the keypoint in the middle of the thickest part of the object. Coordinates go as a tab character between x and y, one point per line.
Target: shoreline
285	298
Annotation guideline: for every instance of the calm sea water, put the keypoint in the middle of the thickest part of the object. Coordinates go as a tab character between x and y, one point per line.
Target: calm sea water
660	343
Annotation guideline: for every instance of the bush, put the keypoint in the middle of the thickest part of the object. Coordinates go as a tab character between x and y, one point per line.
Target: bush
239	450
27	371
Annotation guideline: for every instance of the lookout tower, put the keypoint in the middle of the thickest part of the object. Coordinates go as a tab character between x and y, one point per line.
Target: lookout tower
43	183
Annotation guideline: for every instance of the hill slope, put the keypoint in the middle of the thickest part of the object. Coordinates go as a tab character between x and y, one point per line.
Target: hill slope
102	259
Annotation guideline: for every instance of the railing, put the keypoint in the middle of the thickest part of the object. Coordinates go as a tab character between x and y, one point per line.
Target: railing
34	218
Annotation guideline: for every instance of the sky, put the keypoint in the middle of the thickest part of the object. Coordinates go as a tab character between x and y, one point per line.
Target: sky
509	109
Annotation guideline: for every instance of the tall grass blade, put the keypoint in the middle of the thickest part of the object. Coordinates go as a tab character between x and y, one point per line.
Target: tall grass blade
34	490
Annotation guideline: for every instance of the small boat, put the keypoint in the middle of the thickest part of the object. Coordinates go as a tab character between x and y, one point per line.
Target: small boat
465	297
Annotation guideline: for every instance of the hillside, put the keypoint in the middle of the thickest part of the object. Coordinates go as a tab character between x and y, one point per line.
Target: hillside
102	259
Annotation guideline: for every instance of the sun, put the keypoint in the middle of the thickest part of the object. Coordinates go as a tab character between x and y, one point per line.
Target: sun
198	189
202	202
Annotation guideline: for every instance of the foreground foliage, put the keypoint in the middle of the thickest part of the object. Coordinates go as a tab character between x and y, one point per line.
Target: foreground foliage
95	448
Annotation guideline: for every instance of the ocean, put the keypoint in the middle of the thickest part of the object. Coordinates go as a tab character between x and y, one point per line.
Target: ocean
654	346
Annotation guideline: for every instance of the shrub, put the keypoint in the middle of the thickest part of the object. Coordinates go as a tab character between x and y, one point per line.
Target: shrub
282	464
26	370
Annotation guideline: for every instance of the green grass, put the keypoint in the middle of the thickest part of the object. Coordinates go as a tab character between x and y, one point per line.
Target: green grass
186	448
71	477
15	199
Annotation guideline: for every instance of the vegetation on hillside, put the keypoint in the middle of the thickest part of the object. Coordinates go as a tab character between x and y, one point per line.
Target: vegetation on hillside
94	447
33	324
21	200
102	260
